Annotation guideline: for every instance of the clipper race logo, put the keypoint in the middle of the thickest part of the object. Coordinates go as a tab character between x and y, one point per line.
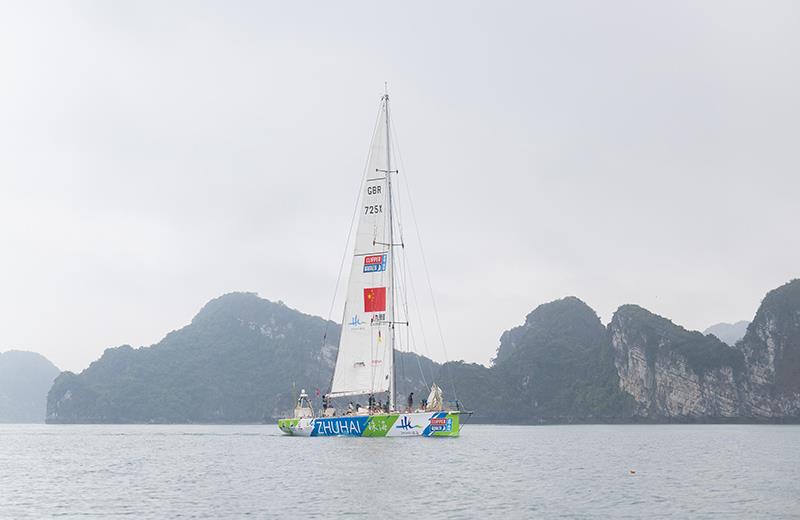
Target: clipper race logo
374	263
441	424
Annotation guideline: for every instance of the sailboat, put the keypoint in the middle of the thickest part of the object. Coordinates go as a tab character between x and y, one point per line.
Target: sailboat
365	363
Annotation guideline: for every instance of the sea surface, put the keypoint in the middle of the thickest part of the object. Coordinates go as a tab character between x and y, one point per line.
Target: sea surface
143	472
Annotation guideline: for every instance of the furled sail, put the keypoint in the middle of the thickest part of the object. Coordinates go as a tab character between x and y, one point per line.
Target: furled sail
364	361
435	398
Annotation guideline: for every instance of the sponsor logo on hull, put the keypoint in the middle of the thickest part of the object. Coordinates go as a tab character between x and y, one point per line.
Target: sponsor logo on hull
407	427
441	424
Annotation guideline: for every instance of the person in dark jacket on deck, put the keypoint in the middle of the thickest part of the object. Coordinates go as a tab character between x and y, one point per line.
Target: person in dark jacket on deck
411	402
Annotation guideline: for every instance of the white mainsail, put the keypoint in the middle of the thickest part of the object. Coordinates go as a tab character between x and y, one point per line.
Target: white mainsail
364	364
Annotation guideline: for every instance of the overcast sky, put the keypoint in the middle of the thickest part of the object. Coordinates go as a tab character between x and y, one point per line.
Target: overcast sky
156	155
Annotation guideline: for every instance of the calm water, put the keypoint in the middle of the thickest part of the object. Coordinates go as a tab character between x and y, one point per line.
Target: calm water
516	472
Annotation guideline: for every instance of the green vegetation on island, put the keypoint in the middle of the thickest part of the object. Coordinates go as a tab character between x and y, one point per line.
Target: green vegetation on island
242	358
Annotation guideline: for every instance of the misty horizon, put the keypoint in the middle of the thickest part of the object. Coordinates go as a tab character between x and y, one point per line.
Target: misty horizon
156	157
438	358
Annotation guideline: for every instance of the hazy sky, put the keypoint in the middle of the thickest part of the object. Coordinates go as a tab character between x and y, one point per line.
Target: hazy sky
156	155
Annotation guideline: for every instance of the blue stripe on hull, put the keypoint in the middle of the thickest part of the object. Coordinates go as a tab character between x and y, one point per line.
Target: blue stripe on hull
339	426
428	430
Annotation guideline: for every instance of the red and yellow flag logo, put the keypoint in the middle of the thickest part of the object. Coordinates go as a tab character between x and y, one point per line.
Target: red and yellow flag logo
375	299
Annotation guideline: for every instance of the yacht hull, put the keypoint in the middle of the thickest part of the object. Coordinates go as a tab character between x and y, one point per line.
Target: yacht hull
416	424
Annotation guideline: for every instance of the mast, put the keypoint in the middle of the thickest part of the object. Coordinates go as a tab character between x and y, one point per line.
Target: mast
392	387
364	363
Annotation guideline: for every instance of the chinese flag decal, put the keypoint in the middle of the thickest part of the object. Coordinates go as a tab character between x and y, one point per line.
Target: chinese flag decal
375	299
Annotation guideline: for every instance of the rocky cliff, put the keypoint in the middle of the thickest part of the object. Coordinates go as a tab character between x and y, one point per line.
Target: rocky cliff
671	372
771	350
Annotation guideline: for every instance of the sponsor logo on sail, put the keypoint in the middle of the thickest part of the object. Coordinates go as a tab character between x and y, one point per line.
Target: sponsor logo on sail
355	322
374	263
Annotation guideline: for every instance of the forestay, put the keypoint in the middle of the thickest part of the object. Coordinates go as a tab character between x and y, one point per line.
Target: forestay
364	362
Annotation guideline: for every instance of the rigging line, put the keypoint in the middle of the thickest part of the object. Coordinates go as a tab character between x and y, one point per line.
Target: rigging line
425	264
346	246
419	363
397	196
406	286
403	365
421	326
403	289
412	342
403	293
412	290
413	338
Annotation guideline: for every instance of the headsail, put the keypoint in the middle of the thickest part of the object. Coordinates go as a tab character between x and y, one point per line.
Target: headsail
365	359
435	398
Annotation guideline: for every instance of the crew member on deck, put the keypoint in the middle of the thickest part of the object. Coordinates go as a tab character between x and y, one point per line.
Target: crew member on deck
411	402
